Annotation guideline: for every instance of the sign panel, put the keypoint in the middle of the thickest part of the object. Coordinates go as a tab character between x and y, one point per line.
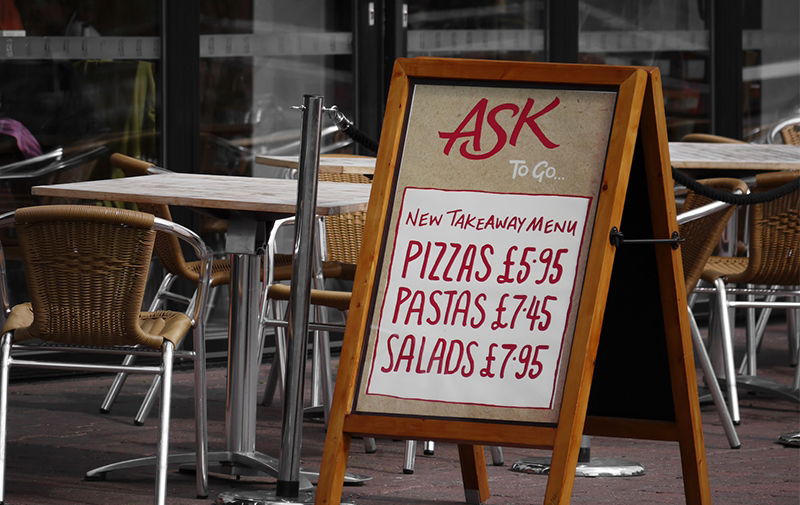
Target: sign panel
478	307
493	204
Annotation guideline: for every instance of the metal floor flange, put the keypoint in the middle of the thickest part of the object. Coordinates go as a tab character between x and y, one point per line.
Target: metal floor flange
264	498
597	467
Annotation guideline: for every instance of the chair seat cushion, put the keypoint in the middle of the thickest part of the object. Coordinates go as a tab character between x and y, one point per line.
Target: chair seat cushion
724	266
157	326
172	326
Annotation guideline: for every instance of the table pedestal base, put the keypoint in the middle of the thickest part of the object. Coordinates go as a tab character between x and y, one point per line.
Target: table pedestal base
597	467
250	464
264	498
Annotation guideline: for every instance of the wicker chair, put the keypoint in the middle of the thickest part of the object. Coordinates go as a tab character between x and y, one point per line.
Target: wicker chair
701	224
86	269
172	259
791	133
787	131
773	261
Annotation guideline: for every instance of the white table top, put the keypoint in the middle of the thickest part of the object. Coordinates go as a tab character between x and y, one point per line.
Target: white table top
734	156
363	165
252	194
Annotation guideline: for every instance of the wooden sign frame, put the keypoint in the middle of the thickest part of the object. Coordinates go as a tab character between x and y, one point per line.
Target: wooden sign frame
638	97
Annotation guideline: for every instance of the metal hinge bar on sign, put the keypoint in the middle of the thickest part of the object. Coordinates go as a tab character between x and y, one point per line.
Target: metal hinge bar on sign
617	239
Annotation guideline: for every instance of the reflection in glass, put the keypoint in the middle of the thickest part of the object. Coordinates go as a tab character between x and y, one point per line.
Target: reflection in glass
670	34
508	30
258	59
771	65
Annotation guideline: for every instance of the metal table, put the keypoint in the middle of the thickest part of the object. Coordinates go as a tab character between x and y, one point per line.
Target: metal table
258	201
754	157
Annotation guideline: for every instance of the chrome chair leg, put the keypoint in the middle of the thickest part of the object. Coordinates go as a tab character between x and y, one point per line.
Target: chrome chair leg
497	455
269	308
794	338
279	363
5	363
370	447
317	357
727	345
119	379
326	391
428	449
713	384
793	321
116	386
317	378
750	335
200	411
760	327
409	456
148	401
163	425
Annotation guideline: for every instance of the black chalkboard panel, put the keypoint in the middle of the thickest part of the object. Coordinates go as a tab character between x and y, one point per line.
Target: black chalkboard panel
631	375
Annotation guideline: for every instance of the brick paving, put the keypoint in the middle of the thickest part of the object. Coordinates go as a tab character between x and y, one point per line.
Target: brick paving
56	434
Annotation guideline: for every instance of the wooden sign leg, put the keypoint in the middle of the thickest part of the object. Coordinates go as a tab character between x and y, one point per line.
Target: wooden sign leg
473	473
332	469
562	467
673	297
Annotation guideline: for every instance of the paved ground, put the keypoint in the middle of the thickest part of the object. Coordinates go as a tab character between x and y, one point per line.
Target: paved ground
56	434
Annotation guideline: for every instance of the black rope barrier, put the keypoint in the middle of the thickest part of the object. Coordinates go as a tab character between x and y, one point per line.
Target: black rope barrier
733	199
346	126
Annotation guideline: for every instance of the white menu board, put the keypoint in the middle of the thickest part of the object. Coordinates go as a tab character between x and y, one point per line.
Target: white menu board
485	250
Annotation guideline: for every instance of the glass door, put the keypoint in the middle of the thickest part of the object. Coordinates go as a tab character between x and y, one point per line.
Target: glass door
672	35
79	80
771	67
258	59
507	30
77	76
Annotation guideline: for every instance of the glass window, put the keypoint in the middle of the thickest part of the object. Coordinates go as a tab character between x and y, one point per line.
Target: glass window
771	65
79	82
670	34
509	30
77	73
258	59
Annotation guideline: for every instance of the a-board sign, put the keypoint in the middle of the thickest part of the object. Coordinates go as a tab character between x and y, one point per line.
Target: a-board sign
476	297
481	288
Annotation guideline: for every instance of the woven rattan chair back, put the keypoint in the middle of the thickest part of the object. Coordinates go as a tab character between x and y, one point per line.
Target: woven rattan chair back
86	269
708	138
345	232
791	134
167	246
703	235
774	235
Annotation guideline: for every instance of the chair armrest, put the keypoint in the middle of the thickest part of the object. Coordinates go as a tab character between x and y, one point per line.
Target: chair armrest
705	210
701	212
204	255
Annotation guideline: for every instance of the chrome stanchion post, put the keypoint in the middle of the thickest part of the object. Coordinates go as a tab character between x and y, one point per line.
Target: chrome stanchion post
292	481
289	469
